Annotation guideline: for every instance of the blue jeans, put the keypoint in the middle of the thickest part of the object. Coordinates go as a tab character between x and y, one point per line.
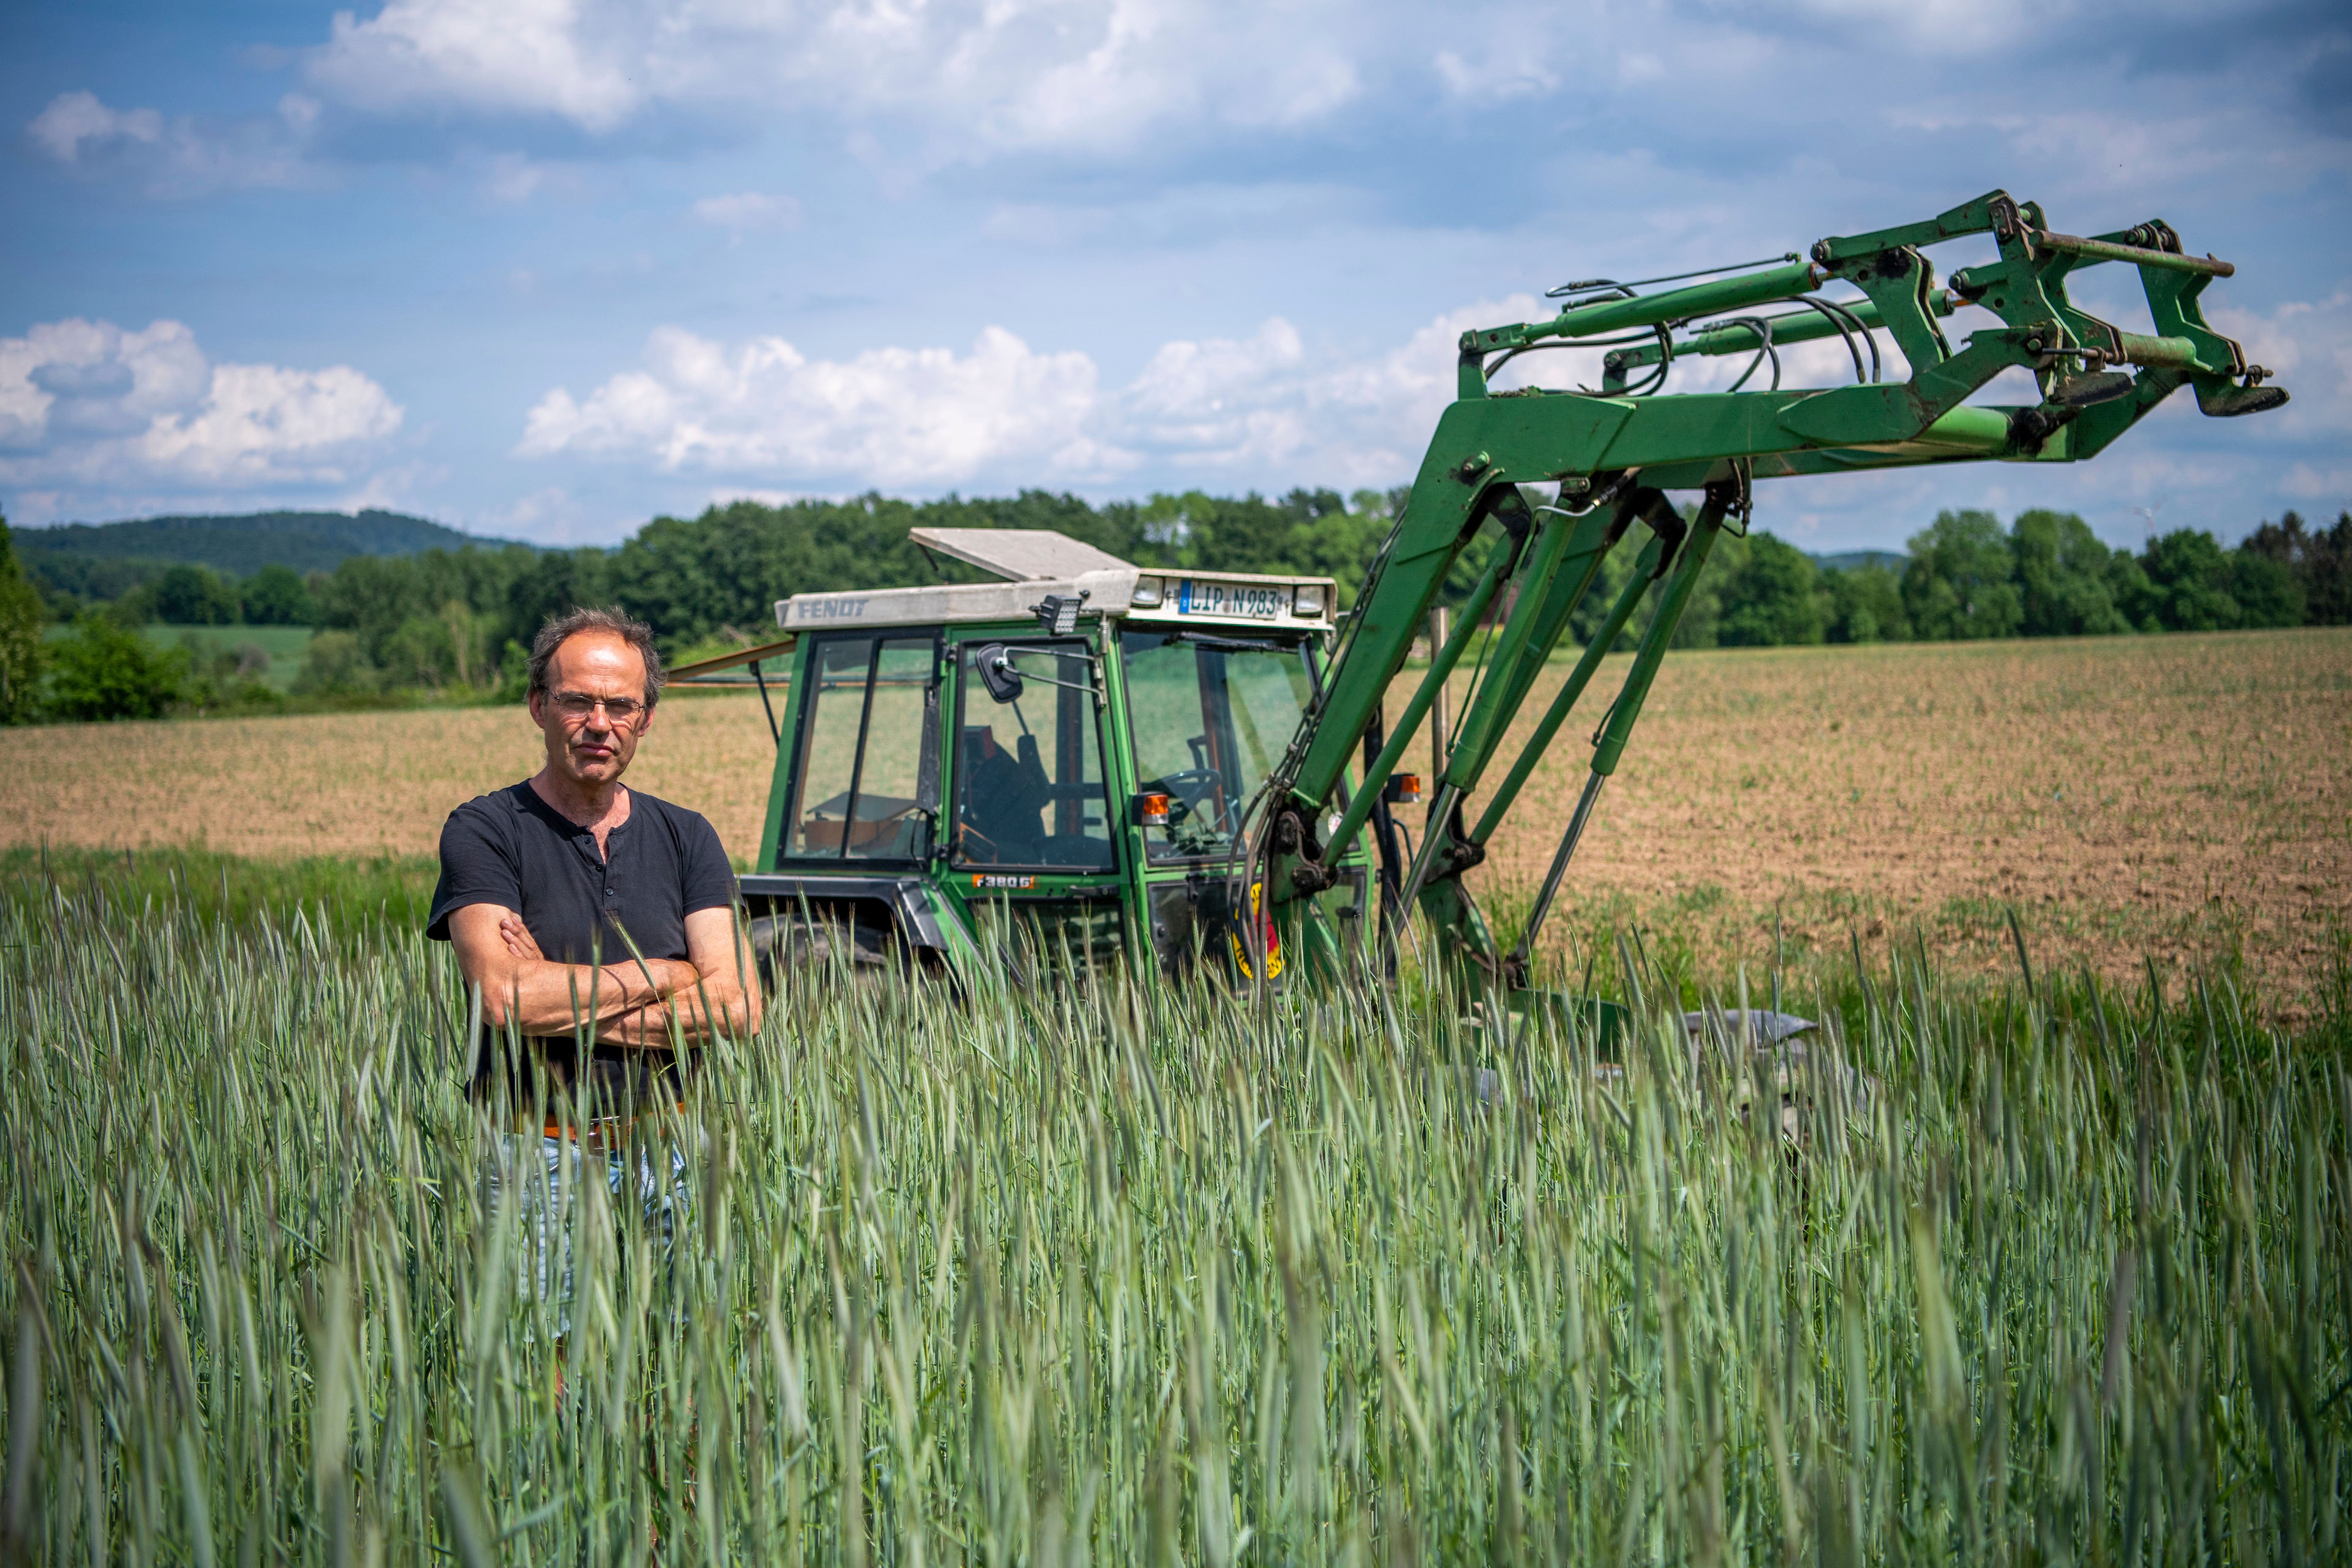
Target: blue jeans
545	1199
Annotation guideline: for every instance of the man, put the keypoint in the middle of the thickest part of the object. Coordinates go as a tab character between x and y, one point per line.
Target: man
1003	804
579	905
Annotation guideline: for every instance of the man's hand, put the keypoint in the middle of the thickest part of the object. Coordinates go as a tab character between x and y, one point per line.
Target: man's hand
519	940
721	996
632	1002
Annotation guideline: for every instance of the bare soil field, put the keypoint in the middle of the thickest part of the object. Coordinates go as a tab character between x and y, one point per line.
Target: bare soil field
349	783
2186	798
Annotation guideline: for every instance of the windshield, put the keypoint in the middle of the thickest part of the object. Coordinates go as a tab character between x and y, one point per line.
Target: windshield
1211	717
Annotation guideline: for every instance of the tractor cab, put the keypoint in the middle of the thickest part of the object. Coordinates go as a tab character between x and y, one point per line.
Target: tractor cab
1067	758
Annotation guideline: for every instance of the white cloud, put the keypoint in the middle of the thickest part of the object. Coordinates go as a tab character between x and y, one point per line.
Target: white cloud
1269	410
981	74
257	419
1188	382
889	416
1394	400
746	210
555	516
1942	27
74	118
2306	343
2332	487
510	179
1005	413
1266	406
1507	74
529	56
184	156
87	404
1220	403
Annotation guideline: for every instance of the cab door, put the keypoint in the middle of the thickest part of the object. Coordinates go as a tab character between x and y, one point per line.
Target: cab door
1033	845
866	788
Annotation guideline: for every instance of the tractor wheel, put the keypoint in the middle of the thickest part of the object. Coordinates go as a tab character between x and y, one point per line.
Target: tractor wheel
813	946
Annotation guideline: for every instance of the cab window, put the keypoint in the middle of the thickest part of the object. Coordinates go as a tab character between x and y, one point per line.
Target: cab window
867	751
1211	717
1029	789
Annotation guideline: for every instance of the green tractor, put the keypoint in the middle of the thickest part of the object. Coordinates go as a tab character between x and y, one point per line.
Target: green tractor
1069	756
1193	767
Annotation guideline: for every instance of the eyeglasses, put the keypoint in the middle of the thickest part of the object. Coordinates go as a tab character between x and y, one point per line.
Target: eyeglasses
576	706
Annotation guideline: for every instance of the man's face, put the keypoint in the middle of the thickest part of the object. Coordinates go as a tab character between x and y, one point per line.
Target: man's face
591	747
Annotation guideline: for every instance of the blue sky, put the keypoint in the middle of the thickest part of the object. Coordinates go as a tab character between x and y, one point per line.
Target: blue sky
548	267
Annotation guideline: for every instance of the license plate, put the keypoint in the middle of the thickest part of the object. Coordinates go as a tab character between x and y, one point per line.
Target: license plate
1231	599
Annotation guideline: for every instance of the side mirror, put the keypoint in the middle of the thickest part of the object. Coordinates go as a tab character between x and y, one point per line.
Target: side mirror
997	671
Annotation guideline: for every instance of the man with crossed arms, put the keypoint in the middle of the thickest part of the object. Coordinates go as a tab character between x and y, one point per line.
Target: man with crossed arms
575	902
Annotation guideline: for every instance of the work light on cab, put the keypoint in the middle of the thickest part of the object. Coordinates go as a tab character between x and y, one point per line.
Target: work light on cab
1057	614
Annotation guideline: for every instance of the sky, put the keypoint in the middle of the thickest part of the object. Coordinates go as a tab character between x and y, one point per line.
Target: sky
546	268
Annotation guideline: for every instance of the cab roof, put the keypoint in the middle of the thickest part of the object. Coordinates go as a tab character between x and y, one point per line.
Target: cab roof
1040	563
1019	554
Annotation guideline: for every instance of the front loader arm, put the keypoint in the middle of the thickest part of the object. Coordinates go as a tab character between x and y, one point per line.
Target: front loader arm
1616	452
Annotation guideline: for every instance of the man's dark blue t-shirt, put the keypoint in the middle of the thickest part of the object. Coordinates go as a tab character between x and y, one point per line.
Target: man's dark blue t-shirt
514	849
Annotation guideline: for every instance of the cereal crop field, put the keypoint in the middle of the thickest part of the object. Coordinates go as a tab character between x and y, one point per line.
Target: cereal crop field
2187	798
1985	1267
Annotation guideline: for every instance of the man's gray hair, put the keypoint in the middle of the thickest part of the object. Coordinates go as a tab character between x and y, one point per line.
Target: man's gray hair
560	629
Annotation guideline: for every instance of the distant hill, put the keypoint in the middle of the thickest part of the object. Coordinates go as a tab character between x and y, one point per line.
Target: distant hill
239	546
1848	560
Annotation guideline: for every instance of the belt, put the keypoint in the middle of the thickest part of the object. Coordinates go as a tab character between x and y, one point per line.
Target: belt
604	1132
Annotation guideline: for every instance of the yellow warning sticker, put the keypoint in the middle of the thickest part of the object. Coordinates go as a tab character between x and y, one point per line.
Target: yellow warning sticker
1271	937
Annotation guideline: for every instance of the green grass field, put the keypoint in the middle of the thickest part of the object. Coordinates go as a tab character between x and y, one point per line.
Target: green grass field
1079	1271
284	645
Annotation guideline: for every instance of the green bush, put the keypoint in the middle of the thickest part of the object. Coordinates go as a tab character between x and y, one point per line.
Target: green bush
1770	599
277	597
334	664
514	673
419	653
2062	577
2135	596
191	596
104	671
1866	605
2266	592
2190	575
1961	581
223	677
21	620
2320	561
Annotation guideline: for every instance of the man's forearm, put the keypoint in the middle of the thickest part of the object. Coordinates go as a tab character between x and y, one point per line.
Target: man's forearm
649	1026
546	998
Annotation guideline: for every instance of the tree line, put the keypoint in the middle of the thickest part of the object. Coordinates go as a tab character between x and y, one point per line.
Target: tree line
2046	575
454	624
